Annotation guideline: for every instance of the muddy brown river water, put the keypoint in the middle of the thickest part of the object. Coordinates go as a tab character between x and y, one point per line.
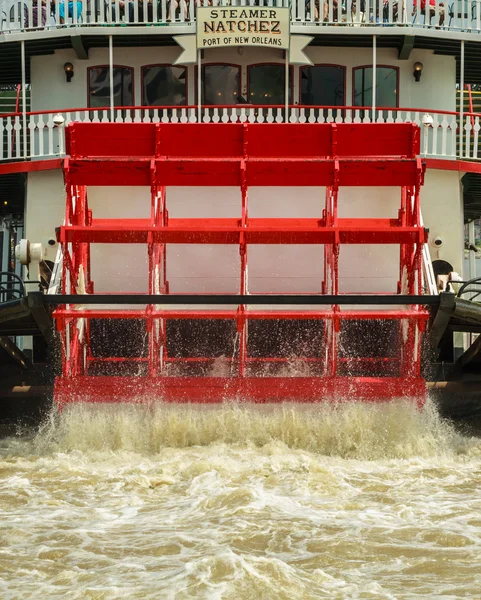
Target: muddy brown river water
348	501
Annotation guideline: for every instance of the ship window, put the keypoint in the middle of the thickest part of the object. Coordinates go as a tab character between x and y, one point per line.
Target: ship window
386	86
323	85
164	85
267	84
220	84
99	86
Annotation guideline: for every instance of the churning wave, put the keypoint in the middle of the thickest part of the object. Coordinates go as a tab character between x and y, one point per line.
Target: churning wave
397	429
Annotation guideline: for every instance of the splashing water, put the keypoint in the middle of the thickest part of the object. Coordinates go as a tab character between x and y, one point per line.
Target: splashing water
349	430
241	502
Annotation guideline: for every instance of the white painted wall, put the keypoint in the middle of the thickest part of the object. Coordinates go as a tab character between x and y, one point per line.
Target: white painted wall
282	269
50	91
45	208
442	207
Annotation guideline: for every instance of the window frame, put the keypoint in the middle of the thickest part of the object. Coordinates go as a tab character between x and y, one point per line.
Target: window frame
343	67
354	69
267	64
216	64
142	98
132	70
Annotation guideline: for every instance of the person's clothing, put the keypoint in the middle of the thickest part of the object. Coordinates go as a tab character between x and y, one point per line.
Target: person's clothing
61	10
131	12
432	5
43	16
32	21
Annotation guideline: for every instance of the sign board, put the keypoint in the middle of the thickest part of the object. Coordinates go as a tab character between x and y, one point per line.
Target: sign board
220	26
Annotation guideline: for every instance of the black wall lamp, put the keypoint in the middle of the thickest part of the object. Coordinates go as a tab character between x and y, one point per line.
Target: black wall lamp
68	68
418	69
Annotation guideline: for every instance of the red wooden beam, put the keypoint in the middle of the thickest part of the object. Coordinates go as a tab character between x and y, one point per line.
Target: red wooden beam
30	166
212	390
209	140
259	172
258	231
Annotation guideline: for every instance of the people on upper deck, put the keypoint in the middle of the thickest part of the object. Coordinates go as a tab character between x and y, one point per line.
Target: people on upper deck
134	10
73	7
432	11
38	9
176	5
128	8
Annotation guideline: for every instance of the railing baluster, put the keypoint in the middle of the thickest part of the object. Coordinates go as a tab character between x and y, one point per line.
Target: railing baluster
2	137
40	127
28	13
50	126
9	130
31	127
476	137
17	127
466	137
454	138
434	149
444	135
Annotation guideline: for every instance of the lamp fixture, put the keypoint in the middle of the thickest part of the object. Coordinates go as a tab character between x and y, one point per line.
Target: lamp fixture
68	68
418	69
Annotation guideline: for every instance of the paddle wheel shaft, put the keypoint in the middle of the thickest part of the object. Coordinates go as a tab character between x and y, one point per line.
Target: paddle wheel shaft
242	155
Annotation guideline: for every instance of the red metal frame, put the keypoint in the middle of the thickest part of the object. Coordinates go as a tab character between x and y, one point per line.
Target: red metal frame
160	155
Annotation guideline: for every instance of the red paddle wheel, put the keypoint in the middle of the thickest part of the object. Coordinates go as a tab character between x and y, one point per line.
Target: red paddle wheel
338	360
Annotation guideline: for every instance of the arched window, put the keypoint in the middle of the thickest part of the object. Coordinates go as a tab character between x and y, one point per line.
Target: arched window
266	84
164	85
387	84
221	84
99	86
323	85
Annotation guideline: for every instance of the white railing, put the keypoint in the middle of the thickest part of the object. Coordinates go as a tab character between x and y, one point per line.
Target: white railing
18	15
35	135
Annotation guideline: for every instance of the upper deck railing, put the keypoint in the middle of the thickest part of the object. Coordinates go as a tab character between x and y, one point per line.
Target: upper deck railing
38	135
31	15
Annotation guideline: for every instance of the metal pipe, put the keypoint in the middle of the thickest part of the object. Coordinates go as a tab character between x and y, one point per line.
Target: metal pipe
111	76
374	68
199	85
24	99
286	87
233	299
461	103
464	309
472	253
